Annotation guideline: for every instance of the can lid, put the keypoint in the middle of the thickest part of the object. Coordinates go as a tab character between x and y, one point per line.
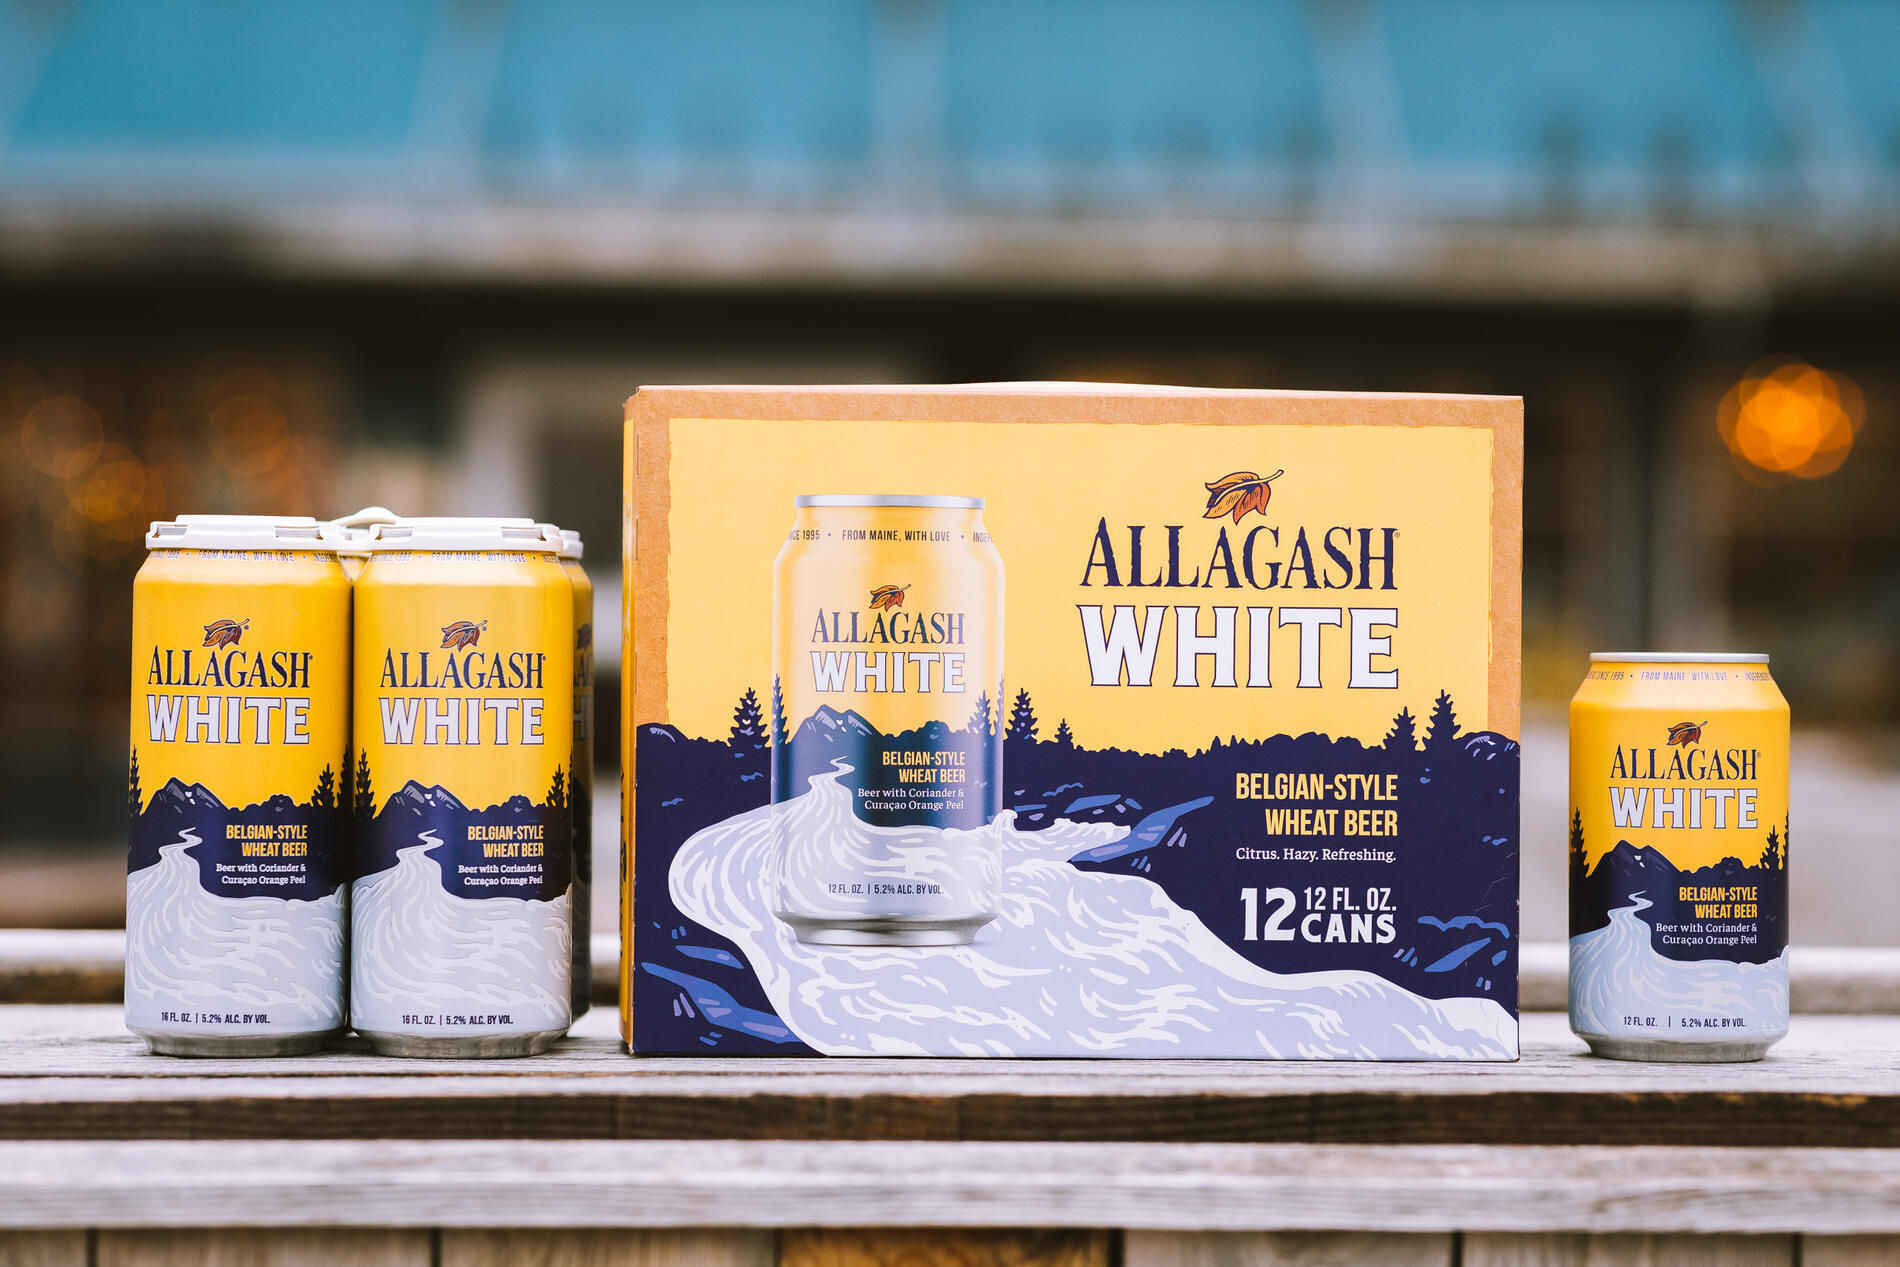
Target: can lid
244	532
443	532
1675	657
356	528
889	499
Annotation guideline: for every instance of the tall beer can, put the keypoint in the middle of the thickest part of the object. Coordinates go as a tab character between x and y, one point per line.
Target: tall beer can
887	770
237	783
463	901
1679	857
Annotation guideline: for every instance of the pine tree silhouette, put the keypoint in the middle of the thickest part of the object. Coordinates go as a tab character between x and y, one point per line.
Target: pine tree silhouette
1065	738
780	731
1576	842
365	795
1771	856
1404	736
1022	719
748	724
557	790
1443	729
980	719
134	796
324	797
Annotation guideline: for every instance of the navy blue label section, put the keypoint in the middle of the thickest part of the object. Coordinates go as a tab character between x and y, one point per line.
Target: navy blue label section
276	848
933	775
1432	908
695	991
1449	888
519	848
1714	922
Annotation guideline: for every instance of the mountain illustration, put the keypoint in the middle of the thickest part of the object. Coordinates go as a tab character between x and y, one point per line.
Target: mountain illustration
177	795
1629	870
420	801
827	725
224	865
436	817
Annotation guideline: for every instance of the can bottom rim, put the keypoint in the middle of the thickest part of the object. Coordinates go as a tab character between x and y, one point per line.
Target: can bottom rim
1657	1051
235	1046
462	1046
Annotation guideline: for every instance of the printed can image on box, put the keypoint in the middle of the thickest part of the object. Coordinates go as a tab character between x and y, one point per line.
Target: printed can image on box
1679	857
888	644
1247	785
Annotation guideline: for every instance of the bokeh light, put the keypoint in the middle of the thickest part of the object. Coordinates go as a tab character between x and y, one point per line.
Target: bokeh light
1788	420
249	434
62	436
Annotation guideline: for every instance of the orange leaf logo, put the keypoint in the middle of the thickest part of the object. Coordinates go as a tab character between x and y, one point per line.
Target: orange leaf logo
225	633
1684	733
1239	492
886	597
463	633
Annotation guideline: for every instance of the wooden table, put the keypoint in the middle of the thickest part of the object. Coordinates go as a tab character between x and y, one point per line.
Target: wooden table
587	1156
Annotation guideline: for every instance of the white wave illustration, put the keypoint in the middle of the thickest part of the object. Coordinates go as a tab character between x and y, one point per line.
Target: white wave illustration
419	950
1615	971
1076	961
189	951
824	850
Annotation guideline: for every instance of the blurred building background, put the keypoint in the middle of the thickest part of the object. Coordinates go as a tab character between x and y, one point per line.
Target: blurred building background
303	256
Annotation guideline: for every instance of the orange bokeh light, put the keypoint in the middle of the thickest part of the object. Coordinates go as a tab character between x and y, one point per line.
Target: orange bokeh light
1789	419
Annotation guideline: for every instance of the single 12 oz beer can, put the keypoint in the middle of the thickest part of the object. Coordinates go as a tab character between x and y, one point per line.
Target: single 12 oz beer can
462	908
1679	858
887	770
237	786
582	788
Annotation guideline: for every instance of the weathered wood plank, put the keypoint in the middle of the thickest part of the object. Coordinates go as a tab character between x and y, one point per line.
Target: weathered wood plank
1287	1249
943	1247
1850	1251
43	1249
74	1073
61	966
606	1247
1574	1250
1199	1187
261	1247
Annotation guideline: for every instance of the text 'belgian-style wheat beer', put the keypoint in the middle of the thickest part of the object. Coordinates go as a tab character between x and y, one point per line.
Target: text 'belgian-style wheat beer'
1679	857
462	909
581	791
234	919
887	765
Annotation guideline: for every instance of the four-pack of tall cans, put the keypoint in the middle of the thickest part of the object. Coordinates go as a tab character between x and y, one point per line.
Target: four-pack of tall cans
357	786
1071	720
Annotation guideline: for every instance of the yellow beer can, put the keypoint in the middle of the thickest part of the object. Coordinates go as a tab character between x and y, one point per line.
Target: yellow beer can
887	770
237	787
1679	857
462	907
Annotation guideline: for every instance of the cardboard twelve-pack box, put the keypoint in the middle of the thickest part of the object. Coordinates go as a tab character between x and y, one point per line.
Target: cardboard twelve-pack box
1196	737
